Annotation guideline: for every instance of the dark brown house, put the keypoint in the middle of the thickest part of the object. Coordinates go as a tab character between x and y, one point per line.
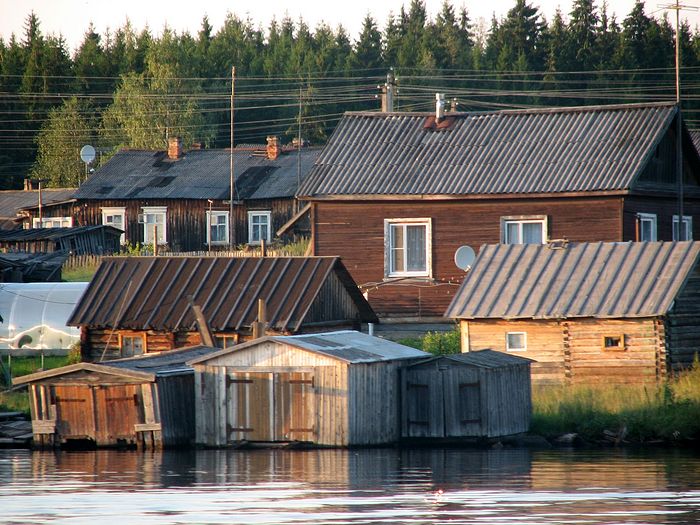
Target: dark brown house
54	211
396	194
136	305
182	197
588	312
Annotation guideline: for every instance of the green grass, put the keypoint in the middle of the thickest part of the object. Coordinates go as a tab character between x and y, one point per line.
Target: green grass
80	273
17	401
19	366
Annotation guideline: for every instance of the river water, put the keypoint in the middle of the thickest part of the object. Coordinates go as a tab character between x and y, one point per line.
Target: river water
367	486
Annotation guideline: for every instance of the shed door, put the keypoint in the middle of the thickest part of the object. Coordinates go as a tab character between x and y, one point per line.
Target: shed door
423	405
119	409
249	406
462	402
75	412
294	404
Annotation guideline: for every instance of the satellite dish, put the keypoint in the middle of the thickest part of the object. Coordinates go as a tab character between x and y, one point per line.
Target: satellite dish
464	257
87	154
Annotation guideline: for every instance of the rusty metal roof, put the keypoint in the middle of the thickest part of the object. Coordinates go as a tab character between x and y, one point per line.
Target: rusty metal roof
198	174
599	148
151	293
604	280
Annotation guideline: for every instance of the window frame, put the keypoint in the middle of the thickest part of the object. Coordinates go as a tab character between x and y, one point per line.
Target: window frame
115	211
617	348
133	336
516	349
154	210
687	219
524	219
641	217
427	222
254	213
217	213
39	224
220	340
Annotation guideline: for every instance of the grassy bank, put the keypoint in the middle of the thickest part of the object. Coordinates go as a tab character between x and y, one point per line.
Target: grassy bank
19	366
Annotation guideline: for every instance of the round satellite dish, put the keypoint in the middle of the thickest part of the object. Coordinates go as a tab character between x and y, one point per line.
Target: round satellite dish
464	257
87	154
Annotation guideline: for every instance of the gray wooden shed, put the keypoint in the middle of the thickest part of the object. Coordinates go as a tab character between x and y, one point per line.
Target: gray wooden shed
474	394
145	401
333	389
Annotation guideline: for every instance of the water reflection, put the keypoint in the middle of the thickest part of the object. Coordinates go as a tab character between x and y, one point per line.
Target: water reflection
415	486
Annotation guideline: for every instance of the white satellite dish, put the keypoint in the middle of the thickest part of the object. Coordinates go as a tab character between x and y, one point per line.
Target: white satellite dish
464	257
87	154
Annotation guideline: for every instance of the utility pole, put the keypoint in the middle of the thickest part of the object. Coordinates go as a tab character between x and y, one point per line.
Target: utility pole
296	201
388	92
232	180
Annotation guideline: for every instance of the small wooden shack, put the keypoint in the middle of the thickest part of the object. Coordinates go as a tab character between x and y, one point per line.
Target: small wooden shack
585	312
334	389
83	240
137	305
476	394
146	401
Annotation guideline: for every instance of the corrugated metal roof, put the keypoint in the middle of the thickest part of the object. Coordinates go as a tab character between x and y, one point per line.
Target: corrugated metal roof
143	293
695	137
604	280
11	201
506	152
199	174
168	362
483	359
48	234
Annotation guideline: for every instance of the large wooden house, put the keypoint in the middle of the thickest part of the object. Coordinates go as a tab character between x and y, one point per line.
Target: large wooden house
136	305
396	194
183	197
588	312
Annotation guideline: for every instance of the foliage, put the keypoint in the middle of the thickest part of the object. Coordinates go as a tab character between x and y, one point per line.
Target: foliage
436	343
15	401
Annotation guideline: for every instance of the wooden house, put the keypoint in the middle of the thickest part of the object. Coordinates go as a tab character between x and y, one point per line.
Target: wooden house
145	401
136	305
53	207
334	389
482	394
396	194
586	312
183	197
83	240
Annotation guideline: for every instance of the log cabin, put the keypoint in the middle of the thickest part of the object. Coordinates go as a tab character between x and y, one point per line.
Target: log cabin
137	305
396	194
183	197
585	312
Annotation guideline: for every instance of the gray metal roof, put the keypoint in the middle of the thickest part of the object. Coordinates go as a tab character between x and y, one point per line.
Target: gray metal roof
604	280
599	148
47	234
11	201
198	174
169	362
485	359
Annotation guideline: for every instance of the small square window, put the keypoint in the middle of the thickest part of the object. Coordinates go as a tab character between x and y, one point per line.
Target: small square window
132	345
407	247
613	342
516	341
259	226
646	223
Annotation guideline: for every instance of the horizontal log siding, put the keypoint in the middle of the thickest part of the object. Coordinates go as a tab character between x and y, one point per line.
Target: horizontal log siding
354	230
572	350
682	327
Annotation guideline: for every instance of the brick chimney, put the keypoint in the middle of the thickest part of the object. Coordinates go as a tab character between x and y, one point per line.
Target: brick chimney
174	147
273	147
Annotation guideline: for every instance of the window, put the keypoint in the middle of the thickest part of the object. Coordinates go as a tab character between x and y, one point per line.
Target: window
524	230
52	222
408	247
613	342
153	219
686	228
647	227
225	340
115	217
516	341
218	227
132	345
258	226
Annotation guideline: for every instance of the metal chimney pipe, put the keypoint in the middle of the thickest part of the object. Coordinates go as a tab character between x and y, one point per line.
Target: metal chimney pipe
439	106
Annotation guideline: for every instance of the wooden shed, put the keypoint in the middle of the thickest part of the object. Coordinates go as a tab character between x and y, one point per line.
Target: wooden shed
585	312
83	240
333	389
476	394
146	401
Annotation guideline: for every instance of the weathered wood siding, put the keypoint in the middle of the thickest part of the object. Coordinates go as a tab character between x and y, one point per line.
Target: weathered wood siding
664	208
682	327
333	305
571	351
175	409
354	230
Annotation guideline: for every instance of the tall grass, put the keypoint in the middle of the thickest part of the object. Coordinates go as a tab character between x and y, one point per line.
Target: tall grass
11	401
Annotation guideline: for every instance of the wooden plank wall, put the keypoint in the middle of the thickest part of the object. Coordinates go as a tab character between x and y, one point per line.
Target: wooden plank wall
664	208
682	327
333	303
506	400
571	351
177	409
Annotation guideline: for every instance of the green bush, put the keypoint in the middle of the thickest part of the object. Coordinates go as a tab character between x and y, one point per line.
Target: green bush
436	343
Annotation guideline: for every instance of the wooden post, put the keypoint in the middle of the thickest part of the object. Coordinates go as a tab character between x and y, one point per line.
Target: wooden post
263	250
259	325
155	240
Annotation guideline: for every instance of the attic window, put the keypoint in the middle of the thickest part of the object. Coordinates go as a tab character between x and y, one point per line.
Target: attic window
613	342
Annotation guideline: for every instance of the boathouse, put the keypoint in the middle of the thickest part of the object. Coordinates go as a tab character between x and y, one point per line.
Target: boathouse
335	389
586	312
476	394
145	401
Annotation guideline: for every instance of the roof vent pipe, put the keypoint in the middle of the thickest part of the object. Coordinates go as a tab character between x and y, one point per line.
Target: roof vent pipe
439	106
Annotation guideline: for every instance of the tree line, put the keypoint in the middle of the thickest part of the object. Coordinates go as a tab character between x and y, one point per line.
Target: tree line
128	88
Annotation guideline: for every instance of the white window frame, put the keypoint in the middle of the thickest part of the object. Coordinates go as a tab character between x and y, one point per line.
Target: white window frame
389	224
65	222
148	226
688	221
210	215
115	211
259	213
520	220
651	217
516	349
